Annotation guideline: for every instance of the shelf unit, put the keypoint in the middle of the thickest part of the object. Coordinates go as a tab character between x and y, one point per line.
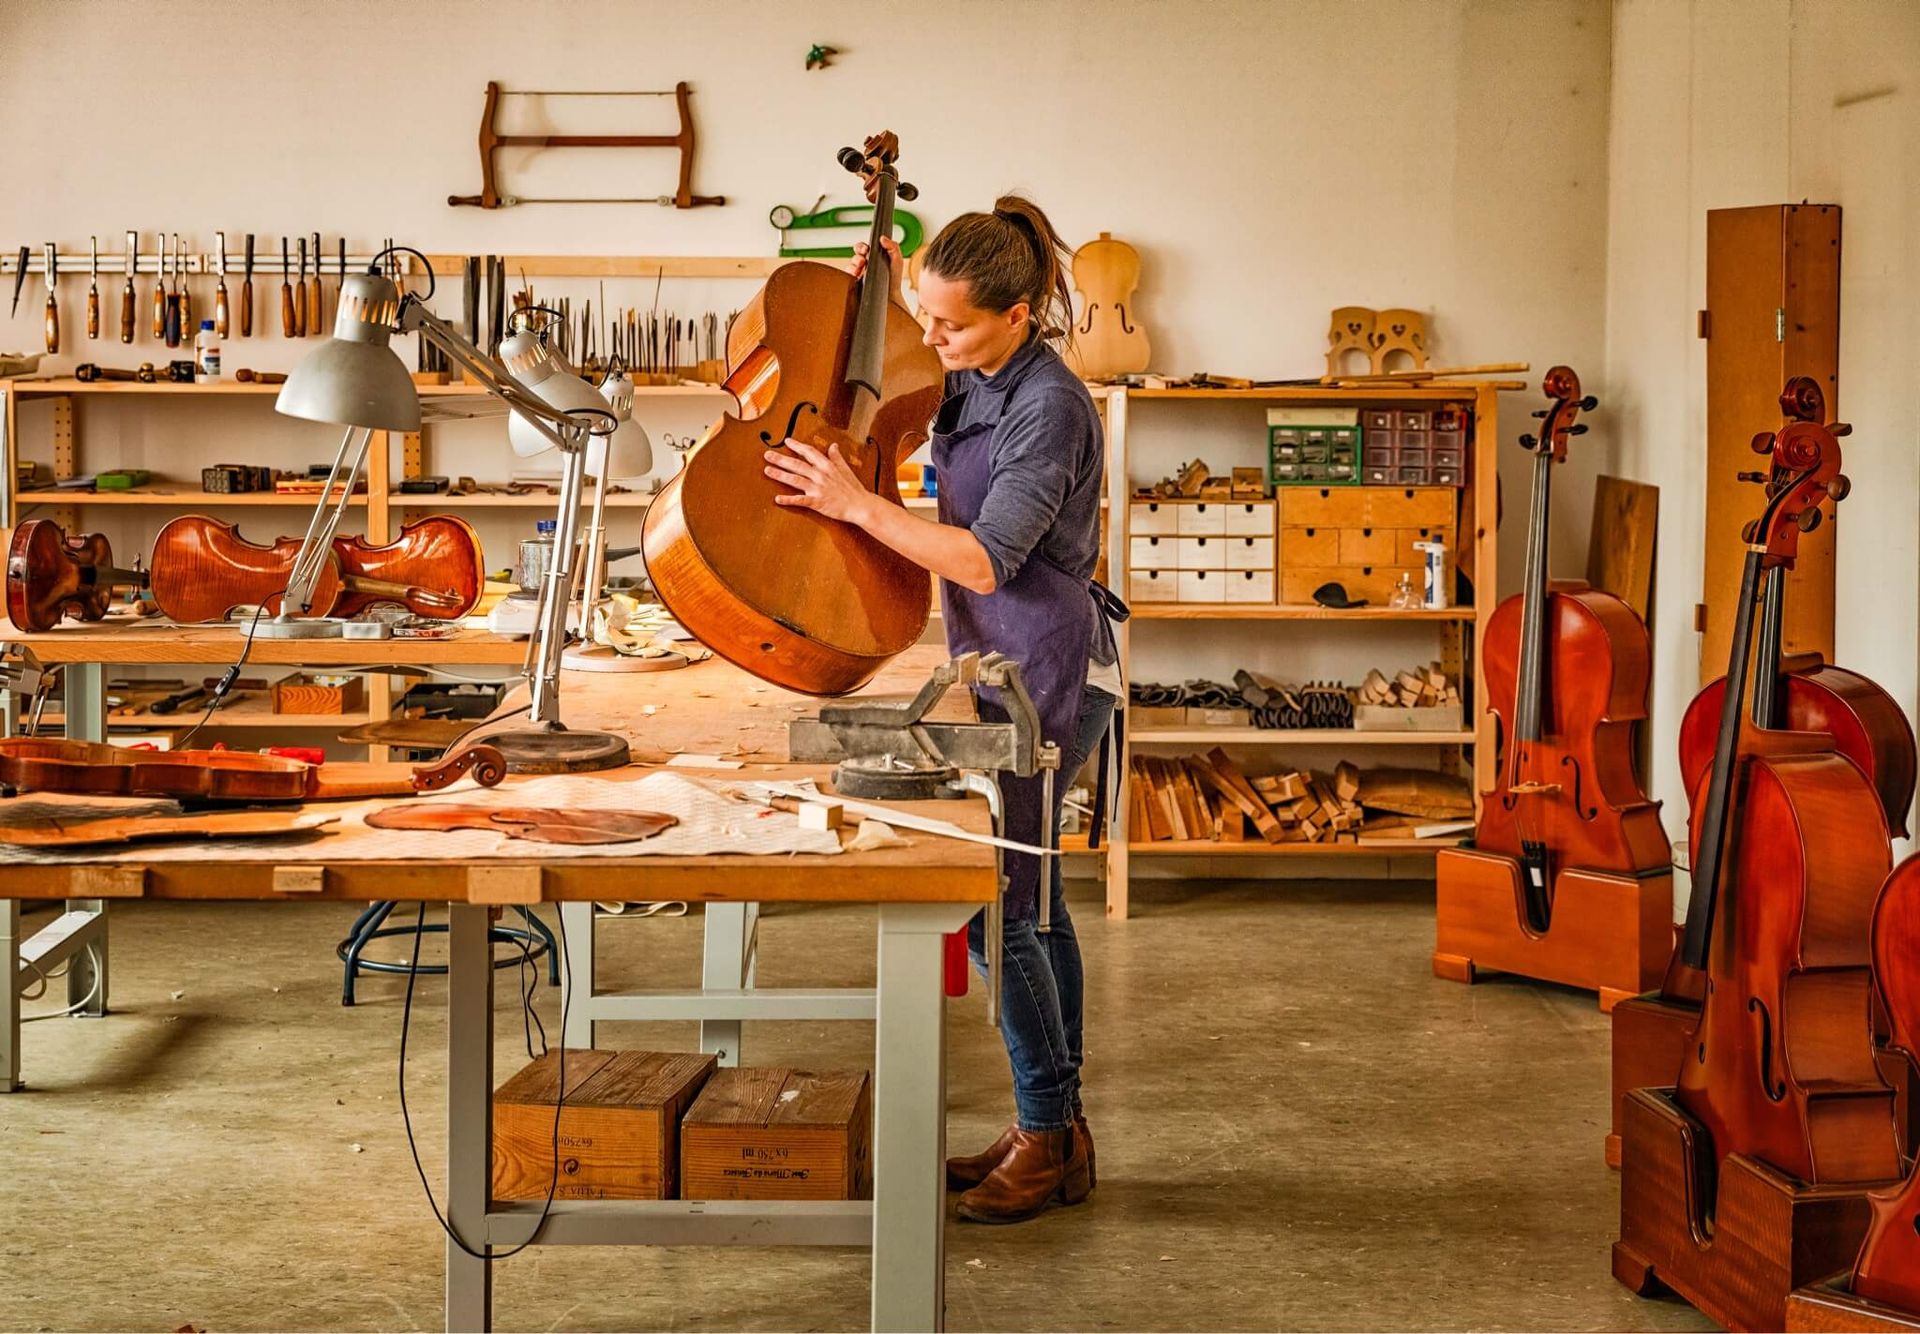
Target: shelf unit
1457	630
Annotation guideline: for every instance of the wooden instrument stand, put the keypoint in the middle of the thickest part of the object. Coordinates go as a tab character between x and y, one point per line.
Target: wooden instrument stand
1611	934
1650	1035
1832	1306
1770	1234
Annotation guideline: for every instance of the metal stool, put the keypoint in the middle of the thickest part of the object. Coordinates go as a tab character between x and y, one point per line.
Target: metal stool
536	937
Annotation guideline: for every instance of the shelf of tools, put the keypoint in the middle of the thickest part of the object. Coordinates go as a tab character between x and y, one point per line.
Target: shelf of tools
1293	528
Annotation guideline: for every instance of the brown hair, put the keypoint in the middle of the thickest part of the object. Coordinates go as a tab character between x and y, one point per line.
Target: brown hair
1008	256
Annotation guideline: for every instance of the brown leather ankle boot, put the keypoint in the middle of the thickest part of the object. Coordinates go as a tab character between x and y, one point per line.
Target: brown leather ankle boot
968	1172
1086	1138
1042	1166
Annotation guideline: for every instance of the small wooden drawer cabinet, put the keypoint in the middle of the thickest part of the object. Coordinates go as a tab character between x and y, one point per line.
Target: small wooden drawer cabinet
1201	551
1361	537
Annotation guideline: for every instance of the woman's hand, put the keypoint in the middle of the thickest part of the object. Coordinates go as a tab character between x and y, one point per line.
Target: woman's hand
823	481
888	244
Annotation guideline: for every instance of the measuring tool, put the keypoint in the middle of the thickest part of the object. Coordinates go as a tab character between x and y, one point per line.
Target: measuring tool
491	139
906	228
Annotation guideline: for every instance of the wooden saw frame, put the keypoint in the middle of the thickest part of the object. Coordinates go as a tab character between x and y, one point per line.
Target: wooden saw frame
491	140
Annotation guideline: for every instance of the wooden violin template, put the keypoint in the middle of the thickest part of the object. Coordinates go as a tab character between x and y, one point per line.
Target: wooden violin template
803	601
1107	338
1567	669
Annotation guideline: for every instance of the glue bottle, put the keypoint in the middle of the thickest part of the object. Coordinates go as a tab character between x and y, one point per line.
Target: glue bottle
206	352
1436	585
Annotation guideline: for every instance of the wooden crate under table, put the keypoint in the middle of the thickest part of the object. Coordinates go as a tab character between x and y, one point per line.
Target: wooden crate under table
770	1134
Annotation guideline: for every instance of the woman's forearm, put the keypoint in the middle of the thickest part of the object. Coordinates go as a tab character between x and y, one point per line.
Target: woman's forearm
952	553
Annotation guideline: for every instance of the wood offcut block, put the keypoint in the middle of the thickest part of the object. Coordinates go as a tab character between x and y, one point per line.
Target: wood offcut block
619	1130
769	1134
306	692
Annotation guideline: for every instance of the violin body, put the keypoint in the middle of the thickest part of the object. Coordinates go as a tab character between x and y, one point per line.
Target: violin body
1781	1064
434	568
1888	1270
51	575
1107	339
1866	725
203	569
96	769
1594	813
803	601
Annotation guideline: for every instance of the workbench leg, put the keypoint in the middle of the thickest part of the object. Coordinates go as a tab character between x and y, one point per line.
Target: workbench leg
576	979
732	933
10	1006
469	1114
910	1116
85	701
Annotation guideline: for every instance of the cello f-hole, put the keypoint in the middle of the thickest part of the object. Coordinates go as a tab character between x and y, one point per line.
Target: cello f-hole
1585	811
1775	1090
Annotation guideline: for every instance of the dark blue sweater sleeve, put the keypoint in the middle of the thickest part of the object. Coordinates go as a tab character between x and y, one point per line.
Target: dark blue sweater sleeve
1034	465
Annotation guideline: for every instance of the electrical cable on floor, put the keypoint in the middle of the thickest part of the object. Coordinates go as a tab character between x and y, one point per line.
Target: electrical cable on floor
93	953
560	1099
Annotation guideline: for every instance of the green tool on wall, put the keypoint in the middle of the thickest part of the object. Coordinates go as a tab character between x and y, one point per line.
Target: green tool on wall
906	228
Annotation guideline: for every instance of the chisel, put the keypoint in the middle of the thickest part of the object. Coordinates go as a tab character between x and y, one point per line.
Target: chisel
93	289
341	290
19	279
313	292
170	302
286	290
188	327
128	297
160	286
220	292
246	294
53	304
300	295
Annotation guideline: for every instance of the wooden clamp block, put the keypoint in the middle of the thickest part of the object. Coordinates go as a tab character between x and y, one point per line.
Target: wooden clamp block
1608	933
619	1130
106	882
503	884
779	1135
299	879
821	815
1770	1234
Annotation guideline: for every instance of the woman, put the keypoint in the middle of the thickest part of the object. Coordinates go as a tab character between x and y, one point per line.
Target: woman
1019	453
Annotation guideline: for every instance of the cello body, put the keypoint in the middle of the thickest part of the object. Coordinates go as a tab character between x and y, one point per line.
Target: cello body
1599	665
1888	1270
803	601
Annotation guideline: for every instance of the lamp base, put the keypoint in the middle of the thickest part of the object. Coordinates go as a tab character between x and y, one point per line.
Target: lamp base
600	658
552	749
299	627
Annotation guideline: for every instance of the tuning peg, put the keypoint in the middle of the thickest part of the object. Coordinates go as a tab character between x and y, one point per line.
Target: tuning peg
906	190
851	158
1750	477
1577	430
1749	530
1589	403
1539	412
1841	428
1808	519
1763	442
1840	488
1528	442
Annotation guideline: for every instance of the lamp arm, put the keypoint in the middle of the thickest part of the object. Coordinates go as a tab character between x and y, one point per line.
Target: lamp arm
564	430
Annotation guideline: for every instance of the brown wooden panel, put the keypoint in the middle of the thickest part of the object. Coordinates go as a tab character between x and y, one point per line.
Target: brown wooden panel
1773	311
1621	542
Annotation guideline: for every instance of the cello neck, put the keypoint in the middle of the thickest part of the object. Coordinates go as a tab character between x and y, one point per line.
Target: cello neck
1769	682
1703	903
1531	690
868	353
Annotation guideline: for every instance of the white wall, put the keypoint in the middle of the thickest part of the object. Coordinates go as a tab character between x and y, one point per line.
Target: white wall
1271	161
1727	103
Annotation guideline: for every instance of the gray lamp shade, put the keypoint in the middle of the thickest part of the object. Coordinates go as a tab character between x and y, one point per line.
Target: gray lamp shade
355	378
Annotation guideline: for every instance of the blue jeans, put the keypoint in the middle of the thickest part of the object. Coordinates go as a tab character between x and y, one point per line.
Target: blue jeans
1042	986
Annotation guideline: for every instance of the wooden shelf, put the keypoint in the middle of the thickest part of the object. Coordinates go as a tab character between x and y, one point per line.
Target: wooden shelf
1431	391
233	716
148	496
1255	611
428	500
1295	736
62	386
1261	848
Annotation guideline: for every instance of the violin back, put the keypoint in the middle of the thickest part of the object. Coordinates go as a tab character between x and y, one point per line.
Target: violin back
806	602
203	569
435	567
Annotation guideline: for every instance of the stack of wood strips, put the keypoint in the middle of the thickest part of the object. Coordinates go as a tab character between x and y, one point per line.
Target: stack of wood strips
1418	687
1207	798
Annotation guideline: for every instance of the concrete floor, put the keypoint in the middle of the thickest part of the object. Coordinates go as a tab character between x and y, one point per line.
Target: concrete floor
1299	1128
